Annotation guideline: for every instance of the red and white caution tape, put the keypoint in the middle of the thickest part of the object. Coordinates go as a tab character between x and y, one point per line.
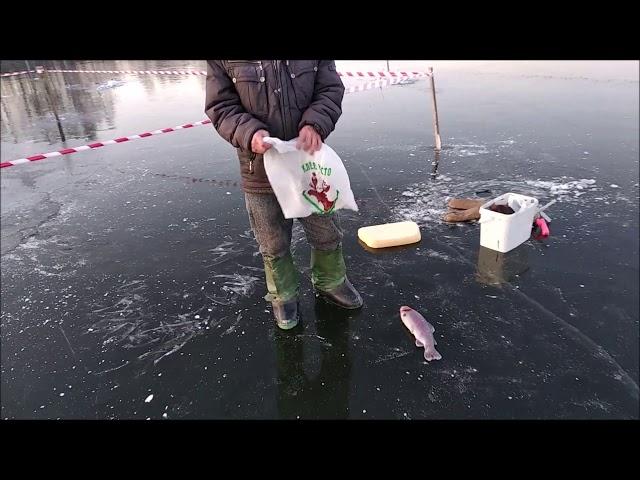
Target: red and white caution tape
377	84
13	74
392	74
93	146
136	72
349	74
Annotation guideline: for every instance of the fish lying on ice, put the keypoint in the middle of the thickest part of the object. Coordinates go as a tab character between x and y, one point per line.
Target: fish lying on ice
422	330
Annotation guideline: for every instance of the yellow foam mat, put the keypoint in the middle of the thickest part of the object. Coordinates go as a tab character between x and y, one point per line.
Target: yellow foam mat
390	234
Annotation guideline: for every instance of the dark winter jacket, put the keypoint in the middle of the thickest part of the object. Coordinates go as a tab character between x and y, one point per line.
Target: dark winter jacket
279	96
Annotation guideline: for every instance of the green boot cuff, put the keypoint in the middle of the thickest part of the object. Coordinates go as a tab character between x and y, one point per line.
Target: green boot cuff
282	278
328	269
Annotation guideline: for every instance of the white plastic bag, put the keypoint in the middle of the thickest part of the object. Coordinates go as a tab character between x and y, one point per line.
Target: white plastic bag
305	184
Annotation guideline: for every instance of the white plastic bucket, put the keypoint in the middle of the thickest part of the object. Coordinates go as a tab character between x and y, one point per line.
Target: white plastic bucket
501	232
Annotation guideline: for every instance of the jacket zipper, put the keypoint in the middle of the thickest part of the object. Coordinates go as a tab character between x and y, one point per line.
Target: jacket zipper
252	157
281	95
289	73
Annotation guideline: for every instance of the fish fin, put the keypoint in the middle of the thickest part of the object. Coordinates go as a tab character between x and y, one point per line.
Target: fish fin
419	343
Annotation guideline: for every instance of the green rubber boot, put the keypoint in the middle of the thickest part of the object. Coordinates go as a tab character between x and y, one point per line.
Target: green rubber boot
282	285
329	278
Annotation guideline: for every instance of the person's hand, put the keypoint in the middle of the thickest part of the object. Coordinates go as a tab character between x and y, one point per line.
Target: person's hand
309	140
257	145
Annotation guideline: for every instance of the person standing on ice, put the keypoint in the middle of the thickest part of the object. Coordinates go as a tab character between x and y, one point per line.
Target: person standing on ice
248	100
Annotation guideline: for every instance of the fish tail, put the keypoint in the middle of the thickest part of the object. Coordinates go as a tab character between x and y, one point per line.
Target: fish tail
431	354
